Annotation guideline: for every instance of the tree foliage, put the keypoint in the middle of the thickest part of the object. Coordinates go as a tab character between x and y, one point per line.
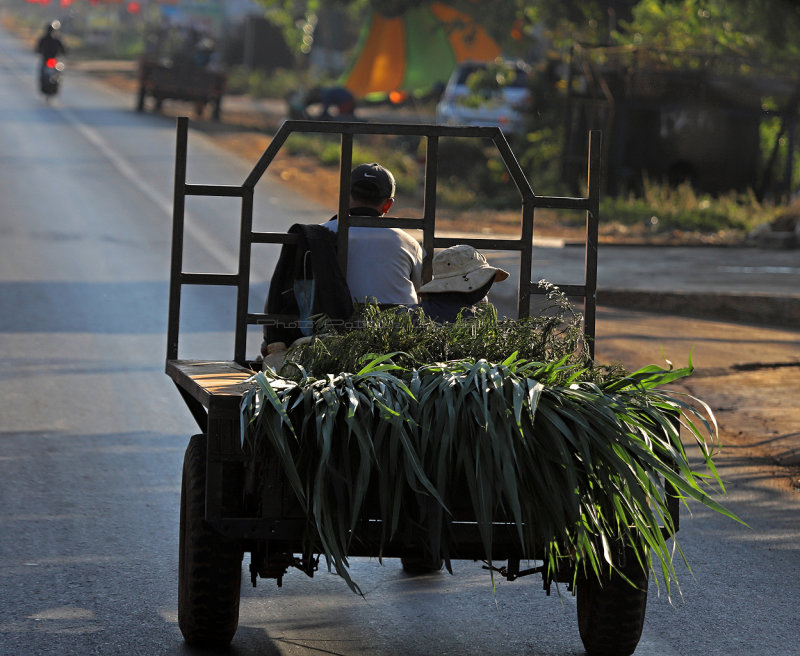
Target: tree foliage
738	27
744	37
745	27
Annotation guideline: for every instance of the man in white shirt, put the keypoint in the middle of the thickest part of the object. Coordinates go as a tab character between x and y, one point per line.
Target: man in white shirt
383	264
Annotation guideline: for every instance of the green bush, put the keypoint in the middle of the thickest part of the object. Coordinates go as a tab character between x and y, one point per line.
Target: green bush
572	459
472	174
665	209
391	154
269	84
540	153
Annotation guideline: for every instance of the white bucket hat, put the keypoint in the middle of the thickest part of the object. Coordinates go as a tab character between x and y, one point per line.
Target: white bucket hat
461	269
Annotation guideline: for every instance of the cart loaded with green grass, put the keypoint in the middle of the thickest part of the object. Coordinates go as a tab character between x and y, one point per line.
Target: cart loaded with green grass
497	440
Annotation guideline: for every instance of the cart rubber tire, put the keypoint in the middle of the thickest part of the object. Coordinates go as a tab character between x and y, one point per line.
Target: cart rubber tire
611	615
216	112
209	565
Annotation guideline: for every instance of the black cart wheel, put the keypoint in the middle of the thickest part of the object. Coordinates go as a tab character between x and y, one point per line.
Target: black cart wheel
209	565
140	96
611	611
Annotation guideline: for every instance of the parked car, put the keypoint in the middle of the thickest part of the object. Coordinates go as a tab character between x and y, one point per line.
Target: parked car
503	102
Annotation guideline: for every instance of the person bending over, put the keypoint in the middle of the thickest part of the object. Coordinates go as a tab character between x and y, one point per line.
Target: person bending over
461	278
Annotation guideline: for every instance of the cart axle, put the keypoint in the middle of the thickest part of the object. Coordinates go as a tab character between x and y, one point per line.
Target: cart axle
512	572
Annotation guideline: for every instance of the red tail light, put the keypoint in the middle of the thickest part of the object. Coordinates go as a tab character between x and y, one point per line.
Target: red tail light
51	63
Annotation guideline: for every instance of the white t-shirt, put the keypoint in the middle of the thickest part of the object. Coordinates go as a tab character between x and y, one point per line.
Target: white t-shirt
383	264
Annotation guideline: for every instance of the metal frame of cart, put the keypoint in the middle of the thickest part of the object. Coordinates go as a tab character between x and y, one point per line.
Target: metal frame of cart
213	390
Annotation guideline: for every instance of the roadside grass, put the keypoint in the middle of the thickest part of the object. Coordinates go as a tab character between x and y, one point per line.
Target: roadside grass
397	157
663	208
269	84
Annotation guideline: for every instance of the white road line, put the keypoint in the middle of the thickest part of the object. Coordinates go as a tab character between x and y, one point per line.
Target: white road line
211	245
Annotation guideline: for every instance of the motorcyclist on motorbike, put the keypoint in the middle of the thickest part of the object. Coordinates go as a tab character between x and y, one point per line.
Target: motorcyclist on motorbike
49	47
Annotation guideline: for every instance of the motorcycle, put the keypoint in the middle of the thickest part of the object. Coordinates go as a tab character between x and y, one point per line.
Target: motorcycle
50	76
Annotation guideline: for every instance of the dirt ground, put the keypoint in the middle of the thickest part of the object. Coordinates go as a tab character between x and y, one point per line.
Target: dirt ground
748	375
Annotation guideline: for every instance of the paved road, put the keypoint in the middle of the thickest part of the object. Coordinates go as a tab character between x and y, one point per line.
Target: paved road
679	280
678	269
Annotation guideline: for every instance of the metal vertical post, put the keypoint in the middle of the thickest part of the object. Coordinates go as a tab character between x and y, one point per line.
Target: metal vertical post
429	217
525	258
526	238
243	286
592	223
176	266
345	167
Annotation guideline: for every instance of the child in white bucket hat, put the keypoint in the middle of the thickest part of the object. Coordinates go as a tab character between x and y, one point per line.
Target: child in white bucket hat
461	278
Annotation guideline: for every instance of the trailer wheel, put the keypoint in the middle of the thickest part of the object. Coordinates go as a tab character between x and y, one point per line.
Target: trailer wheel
209	565
216	112
611	612
140	98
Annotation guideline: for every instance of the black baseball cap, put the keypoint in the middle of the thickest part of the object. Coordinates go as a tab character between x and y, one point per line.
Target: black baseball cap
372	181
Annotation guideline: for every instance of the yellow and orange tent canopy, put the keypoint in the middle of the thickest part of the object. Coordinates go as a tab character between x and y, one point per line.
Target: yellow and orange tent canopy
415	51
